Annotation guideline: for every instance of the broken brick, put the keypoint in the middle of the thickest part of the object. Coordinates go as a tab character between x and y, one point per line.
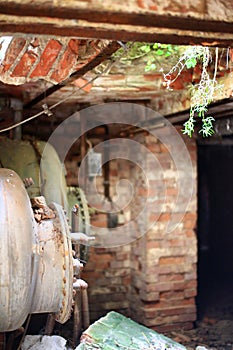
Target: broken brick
48	57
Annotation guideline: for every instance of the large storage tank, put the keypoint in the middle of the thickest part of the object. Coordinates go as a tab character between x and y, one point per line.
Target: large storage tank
17	237
36	265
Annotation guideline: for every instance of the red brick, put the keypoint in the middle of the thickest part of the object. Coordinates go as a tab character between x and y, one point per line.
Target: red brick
153	217
176	242
13	51
190	292
171	191
182	310
103	257
172	295
66	65
158	287
171	260
189	224
171	277
192	284
94	275
82	84
122	256
164	269
190	233
153	7
167	303
149	297
179	285
117	264
159	320
126	280
189	309
173	327
25	64
142	191
165	217
141	3
153	244
152	77
191	216
74	45
100	250
47	59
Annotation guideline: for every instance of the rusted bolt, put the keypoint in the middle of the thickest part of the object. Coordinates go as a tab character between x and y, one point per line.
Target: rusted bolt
64	267
64	292
64	280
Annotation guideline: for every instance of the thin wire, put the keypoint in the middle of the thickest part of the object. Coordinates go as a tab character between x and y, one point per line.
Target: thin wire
22	122
227	58
107	68
216	64
52	107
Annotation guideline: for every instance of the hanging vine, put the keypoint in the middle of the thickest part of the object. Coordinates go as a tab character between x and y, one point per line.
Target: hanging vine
201	93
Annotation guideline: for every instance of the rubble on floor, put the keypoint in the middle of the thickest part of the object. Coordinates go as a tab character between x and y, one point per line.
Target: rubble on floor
215	330
115	331
111	332
210	333
38	342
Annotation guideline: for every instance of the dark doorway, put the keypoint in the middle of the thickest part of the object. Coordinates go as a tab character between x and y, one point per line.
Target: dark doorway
215	229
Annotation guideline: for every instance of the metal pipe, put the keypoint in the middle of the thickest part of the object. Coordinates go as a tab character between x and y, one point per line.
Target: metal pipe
85	308
77	316
50	323
17	106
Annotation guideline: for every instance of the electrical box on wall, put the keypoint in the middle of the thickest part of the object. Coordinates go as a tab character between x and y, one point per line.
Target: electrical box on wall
94	163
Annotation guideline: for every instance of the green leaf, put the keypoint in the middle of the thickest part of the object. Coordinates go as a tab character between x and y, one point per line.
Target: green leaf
155	46
145	48
164	46
191	62
159	52
150	67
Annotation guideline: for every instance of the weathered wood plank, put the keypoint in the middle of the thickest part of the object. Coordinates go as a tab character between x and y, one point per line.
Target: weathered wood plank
142	20
122	12
147	19
83	29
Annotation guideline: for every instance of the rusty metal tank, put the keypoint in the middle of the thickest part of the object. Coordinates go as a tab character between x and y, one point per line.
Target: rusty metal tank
17	237
54	269
36	267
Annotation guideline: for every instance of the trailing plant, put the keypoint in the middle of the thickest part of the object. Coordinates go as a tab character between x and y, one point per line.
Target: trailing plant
152	52
202	94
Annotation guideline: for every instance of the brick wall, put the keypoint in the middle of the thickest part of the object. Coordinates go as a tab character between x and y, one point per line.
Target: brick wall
153	280
30	58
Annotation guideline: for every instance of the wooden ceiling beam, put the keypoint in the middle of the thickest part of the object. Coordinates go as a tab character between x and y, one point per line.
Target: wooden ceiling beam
197	23
113	32
200	15
137	19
